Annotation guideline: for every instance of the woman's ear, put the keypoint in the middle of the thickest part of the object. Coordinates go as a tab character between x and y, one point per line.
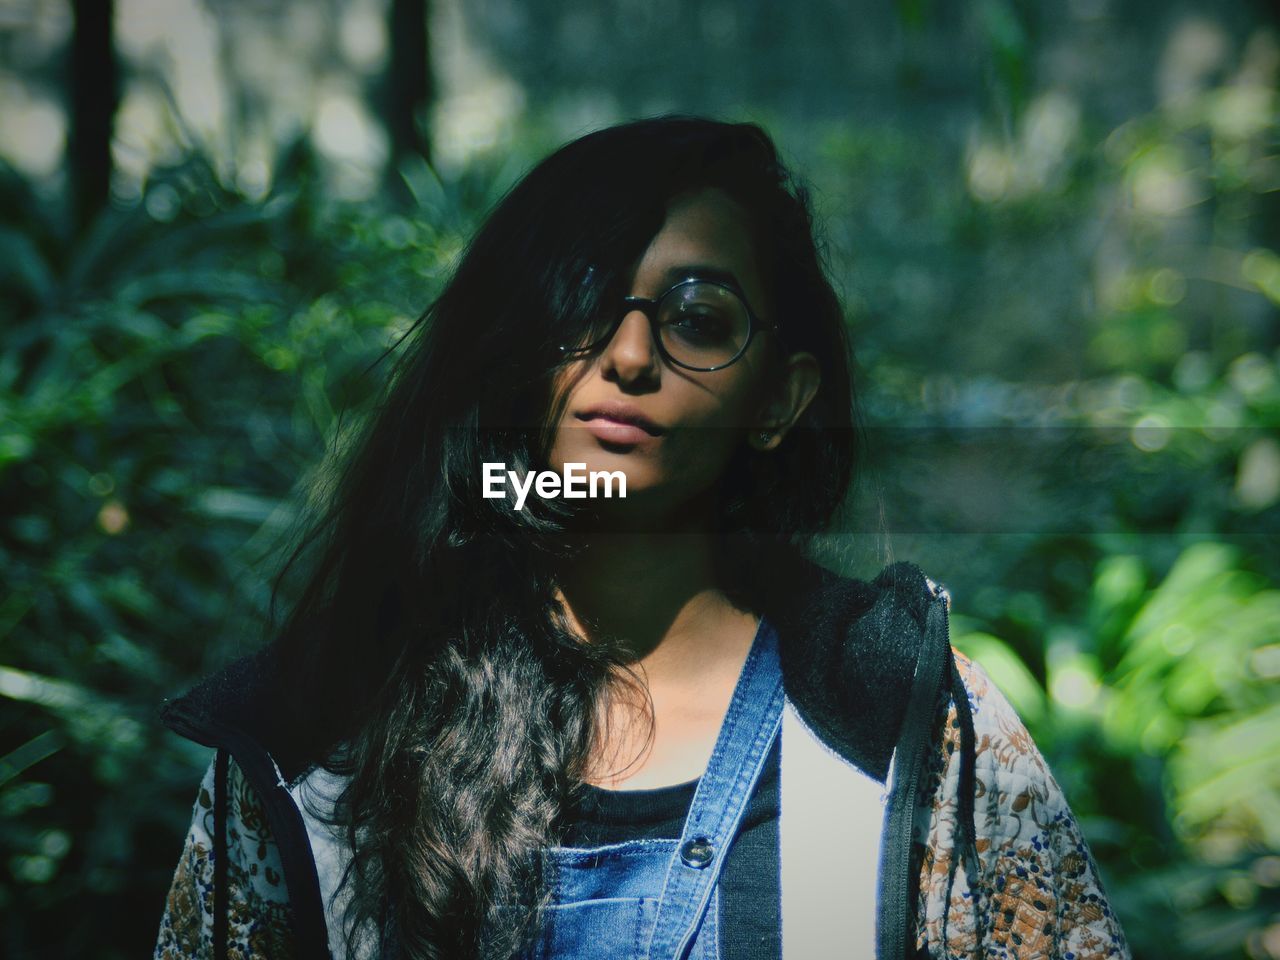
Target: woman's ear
791	391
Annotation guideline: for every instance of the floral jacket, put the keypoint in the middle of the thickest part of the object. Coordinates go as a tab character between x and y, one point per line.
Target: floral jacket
981	855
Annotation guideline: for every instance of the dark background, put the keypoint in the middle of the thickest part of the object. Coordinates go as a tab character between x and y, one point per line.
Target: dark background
1055	228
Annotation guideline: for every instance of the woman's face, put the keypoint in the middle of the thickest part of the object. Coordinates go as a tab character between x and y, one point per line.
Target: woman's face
701	416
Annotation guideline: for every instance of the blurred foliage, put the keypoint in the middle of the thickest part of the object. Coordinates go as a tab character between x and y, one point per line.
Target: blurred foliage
163	387
1158	708
172	382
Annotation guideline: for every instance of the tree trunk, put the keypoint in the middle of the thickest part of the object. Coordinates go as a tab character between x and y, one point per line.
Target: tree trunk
409	86
93	98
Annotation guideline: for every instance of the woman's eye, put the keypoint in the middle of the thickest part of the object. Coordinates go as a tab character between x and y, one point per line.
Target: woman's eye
703	323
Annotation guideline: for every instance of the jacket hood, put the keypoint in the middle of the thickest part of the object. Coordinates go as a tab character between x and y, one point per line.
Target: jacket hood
848	650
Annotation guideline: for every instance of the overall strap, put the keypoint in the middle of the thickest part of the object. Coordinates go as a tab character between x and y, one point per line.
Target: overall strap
746	736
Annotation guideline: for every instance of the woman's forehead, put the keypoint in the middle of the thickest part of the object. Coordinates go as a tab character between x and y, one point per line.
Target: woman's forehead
707	228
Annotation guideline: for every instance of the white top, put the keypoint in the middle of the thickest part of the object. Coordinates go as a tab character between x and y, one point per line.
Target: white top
320	790
830	825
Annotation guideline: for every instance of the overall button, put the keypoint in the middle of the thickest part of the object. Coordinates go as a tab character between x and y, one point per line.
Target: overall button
697	852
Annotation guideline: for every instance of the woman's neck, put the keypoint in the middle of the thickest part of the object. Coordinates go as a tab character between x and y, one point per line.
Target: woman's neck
656	596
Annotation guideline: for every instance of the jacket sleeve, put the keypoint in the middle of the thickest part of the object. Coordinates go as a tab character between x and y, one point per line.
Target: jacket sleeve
1038	890
259	920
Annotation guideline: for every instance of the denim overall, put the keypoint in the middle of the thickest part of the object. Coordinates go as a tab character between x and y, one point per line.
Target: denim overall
659	899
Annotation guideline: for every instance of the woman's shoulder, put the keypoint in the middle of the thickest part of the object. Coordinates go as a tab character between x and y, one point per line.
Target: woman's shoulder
992	712
259	922
1040	890
1004	745
1010	768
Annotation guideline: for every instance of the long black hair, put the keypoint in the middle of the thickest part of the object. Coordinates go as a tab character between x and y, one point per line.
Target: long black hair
429	655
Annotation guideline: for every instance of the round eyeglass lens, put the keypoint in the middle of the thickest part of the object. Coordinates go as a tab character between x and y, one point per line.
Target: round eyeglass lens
703	324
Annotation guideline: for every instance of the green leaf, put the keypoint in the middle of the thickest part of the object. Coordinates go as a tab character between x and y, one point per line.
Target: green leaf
29	754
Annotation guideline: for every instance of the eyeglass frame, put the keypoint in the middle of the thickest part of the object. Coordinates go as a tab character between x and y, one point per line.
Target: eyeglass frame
649	306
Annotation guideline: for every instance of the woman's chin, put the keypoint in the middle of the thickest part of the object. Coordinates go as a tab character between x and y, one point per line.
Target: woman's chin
654	509
641	500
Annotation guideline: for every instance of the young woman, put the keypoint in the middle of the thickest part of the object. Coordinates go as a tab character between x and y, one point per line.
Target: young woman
508	720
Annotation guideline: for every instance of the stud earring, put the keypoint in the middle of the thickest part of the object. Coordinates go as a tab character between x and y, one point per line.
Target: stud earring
765	436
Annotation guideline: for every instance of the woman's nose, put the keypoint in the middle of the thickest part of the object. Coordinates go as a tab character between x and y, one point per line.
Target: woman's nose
632	350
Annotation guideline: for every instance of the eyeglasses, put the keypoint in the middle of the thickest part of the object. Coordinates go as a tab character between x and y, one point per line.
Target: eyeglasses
697	324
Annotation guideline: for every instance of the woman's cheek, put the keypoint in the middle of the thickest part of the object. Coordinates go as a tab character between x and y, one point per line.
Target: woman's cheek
698	454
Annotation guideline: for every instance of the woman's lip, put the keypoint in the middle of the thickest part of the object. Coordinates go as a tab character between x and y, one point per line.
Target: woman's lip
621	413
615	431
